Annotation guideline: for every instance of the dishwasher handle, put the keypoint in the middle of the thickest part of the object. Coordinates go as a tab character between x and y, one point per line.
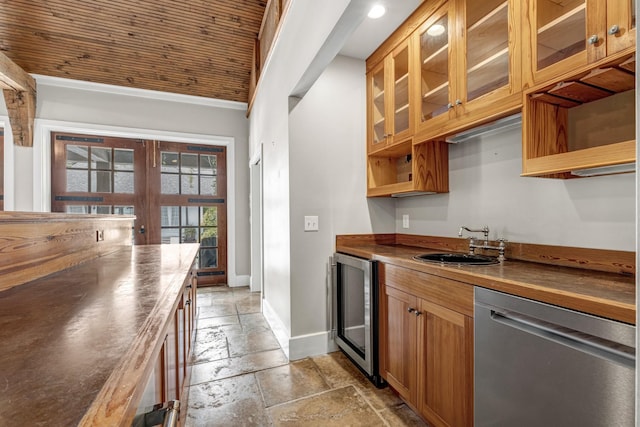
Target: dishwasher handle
579	341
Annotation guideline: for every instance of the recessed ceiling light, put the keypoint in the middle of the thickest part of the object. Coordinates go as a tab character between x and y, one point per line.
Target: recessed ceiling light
435	30
376	11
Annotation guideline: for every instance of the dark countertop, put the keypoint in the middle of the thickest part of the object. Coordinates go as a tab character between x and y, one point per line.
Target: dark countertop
603	294
68	336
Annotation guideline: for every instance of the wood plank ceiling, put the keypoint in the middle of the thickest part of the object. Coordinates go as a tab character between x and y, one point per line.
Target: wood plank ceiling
193	47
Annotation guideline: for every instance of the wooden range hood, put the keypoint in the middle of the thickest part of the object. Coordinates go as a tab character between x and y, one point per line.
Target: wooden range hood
19	90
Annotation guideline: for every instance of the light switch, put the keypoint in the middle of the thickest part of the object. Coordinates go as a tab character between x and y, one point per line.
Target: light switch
405	221
310	223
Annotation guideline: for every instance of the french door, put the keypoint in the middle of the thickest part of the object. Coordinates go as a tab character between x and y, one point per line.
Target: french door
176	191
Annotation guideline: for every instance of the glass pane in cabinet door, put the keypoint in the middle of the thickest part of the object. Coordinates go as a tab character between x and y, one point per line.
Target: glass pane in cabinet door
401	92
434	46
487	46
561	30
377	92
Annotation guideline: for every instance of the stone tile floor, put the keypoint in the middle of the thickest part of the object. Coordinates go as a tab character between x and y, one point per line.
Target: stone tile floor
241	377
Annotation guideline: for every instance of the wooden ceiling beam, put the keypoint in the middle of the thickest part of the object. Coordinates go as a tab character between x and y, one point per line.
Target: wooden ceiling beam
19	90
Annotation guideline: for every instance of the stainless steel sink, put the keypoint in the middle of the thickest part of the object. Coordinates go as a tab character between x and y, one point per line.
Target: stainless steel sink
457	259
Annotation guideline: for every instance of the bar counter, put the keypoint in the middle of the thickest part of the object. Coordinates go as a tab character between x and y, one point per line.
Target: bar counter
78	345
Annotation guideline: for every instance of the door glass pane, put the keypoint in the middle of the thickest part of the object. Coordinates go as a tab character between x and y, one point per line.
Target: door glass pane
77	157
123	182
169	184
124	210
123	159
208	258
169	162
561	30
77	180
208	185
170	216
101	210
100	158
190	215
189	184
401	92
434	44
101	181
170	235
208	164
188	163
189	235
487	46
209	216
378	106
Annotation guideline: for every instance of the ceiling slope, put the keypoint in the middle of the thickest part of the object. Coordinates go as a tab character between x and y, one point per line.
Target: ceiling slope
200	47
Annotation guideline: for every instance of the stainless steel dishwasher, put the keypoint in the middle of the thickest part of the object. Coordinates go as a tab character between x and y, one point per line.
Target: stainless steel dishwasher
540	365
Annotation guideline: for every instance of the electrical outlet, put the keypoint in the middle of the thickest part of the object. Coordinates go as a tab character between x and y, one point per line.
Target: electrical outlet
99	235
310	223
405	221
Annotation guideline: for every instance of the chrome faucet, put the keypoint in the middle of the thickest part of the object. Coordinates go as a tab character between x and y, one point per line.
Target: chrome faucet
485	244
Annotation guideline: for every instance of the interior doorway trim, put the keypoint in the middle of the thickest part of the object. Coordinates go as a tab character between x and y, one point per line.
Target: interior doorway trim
42	168
256	231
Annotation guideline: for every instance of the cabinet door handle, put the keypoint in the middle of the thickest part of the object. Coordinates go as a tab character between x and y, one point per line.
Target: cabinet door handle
449	106
188	302
614	30
417	313
411	309
458	102
593	39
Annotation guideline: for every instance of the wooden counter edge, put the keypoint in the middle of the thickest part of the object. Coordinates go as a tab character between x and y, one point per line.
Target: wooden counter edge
117	401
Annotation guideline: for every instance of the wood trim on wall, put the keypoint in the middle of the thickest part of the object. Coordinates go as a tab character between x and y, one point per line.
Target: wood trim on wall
606	260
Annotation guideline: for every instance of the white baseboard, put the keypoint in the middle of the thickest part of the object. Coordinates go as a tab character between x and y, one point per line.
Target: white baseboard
278	328
301	346
311	345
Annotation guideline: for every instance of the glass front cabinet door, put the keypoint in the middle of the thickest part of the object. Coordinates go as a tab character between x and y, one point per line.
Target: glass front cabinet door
470	70
435	98
569	34
489	58
388	90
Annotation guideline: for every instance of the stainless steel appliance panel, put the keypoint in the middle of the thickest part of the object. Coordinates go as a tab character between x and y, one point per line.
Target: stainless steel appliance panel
540	365
355	313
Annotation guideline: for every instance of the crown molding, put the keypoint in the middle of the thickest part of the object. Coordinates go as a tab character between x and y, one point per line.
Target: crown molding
140	93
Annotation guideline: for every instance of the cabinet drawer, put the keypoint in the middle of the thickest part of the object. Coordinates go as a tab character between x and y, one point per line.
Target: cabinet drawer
454	295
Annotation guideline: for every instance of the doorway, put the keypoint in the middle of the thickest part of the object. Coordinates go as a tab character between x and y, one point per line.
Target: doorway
256	227
176	191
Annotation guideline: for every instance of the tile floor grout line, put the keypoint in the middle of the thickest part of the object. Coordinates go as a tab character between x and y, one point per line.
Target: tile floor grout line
371	406
320	393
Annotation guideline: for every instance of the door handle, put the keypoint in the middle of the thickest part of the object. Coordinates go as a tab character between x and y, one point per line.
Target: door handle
142	230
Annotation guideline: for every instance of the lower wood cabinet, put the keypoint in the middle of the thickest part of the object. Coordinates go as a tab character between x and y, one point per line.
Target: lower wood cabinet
169	379
427	344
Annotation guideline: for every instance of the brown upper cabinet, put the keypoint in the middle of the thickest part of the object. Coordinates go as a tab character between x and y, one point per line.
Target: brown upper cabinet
468	69
567	35
457	64
578	113
450	66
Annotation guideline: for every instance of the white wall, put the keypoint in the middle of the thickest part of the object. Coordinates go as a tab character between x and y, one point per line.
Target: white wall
302	33
327	132
486	189
68	105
